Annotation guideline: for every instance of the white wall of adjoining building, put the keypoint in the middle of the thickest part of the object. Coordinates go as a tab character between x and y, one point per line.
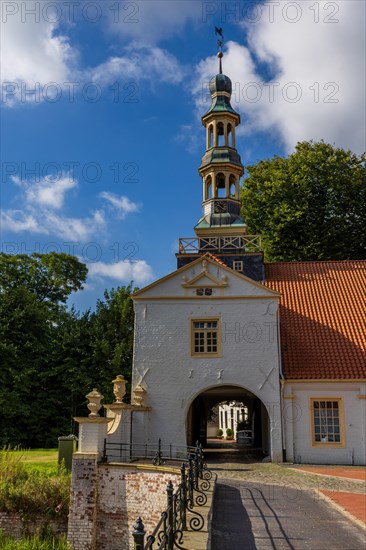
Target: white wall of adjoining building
298	426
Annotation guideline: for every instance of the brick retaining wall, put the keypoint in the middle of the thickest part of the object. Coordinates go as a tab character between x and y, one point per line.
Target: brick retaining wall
12	525
107	499
124	493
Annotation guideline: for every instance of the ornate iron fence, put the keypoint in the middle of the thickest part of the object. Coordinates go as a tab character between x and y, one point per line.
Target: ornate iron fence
180	514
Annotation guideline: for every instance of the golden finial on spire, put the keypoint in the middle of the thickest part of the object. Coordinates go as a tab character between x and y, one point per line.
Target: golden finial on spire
220	43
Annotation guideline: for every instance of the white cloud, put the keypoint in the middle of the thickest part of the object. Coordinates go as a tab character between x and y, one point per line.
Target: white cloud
49	223
47	193
32	54
148	22
322	64
123	271
79	229
139	63
43	202
36	56
120	203
17	221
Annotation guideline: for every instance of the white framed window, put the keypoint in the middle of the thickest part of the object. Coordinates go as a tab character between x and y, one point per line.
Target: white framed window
238	265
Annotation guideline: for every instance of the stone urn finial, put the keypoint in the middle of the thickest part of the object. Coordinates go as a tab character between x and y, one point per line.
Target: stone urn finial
119	388
94	405
138	396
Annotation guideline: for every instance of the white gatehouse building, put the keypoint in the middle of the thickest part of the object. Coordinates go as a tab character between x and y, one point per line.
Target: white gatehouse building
283	339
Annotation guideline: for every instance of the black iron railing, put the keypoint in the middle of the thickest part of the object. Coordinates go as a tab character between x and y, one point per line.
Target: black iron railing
180	514
158	454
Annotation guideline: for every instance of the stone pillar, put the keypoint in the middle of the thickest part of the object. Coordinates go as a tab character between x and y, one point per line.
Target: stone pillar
92	433
289	414
216	141
276	435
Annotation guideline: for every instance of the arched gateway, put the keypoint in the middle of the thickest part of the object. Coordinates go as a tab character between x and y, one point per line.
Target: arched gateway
257	416
210	324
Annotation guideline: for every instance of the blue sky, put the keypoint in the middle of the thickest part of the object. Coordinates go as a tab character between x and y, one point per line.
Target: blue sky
101	158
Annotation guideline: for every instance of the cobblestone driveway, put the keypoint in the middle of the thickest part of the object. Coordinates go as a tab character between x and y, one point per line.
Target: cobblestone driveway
264	506
257	516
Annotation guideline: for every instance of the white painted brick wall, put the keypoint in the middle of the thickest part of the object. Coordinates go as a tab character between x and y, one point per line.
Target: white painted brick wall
174	378
299	422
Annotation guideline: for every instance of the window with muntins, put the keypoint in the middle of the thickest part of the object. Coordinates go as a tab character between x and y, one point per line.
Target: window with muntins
327	422
237	265
205	337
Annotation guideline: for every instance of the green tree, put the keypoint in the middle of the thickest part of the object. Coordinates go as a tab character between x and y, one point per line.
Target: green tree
113	329
51	356
308	206
51	277
70	375
33	290
25	334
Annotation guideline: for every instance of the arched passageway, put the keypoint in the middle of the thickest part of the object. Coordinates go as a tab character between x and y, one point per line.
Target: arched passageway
199	427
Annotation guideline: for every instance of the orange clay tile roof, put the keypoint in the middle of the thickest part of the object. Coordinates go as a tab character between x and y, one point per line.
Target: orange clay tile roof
322	316
213	257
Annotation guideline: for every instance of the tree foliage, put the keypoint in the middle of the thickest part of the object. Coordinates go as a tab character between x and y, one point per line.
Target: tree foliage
308	206
113	329
51	277
51	357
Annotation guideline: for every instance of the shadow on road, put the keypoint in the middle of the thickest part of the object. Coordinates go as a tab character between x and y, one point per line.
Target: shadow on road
231	527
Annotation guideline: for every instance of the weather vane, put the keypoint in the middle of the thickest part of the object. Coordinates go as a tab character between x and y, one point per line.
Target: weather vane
220	43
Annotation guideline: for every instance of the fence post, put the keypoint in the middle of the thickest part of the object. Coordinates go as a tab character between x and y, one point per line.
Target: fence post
104	455
196	468
183	512
190	479
139	535
200	461
157	459
170	530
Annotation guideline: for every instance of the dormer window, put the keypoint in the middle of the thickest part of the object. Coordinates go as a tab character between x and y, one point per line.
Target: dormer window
238	265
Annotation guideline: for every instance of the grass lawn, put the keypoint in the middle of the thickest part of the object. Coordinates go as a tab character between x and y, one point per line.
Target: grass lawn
32	543
44	460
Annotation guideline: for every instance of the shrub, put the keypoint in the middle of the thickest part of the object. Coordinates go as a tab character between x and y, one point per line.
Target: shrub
30	492
219	432
229	433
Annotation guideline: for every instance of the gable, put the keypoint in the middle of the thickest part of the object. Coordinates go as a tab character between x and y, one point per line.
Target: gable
204	278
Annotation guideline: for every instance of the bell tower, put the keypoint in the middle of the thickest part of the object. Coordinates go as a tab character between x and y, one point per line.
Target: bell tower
221	167
221	230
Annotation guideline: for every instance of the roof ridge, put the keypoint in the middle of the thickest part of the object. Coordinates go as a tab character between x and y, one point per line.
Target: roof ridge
296	262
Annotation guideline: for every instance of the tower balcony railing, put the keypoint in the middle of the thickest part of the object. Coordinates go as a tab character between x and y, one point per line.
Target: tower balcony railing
194	245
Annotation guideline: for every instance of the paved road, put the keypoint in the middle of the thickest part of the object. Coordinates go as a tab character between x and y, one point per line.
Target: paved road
256	516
